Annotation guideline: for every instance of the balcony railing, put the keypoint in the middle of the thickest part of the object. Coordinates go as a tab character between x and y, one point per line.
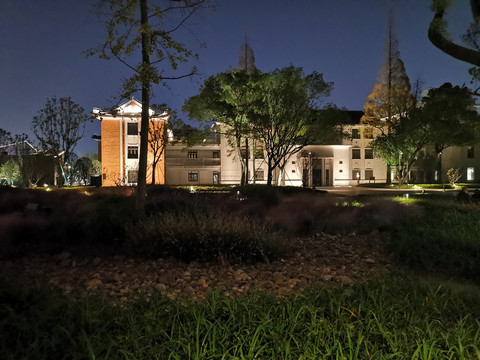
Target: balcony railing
192	162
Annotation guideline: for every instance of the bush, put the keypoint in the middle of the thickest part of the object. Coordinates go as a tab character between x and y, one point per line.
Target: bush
106	220
202	237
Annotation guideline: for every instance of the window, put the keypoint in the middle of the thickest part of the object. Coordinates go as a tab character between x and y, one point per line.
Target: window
293	171
340	171
356	174
470	174
355	134
368	133
259	175
368	154
369	174
193	176
293	162
132	152
356	154
216	154
132	176
216	177
192	154
470	152
132	128
340	162
259	153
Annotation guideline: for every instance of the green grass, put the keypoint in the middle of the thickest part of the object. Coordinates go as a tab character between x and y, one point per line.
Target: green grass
396	317
444	238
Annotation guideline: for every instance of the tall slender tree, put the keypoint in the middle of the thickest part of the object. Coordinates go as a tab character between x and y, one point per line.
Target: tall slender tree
391	96
140	36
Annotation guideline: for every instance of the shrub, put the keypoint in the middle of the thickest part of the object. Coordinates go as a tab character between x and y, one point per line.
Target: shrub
453	176
107	218
202	237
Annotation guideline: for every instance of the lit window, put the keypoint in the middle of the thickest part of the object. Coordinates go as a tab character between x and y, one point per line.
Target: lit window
356	154
132	128
355	134
355	174
192	154
470	174
132	152
193	176
216	177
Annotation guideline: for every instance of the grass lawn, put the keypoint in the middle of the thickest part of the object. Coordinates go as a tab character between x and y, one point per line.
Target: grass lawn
426	307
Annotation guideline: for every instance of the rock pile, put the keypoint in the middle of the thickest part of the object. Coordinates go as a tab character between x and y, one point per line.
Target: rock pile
341	260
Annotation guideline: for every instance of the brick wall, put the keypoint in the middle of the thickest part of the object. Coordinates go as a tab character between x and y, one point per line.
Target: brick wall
110	152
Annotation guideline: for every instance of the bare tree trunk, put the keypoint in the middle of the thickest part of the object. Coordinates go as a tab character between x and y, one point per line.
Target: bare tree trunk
389	175
142	163
270	173
154	166
246	160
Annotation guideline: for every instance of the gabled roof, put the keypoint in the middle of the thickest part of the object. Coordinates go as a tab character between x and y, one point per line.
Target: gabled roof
131	108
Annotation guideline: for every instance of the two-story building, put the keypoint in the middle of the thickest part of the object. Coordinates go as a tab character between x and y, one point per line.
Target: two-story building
120	144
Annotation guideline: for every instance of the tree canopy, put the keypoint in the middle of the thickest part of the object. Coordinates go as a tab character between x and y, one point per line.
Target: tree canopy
228	98
59	126
140	36
286	105
445	117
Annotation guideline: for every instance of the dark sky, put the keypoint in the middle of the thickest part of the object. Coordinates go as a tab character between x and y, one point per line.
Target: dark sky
43	41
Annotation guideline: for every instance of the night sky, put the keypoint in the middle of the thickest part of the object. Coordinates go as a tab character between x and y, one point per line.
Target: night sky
43	41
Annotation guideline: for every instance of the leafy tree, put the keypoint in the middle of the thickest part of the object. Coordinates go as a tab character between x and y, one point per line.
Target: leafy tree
83	169
228	98
143	30
400	146
10	172
35	166
391	96
451	116
96	168
445	117
288	100
59	126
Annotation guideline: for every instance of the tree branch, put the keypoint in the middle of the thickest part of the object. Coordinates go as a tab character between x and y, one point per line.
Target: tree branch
440	40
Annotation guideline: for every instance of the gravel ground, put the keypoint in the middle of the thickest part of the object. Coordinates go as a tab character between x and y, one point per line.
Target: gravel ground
336	260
